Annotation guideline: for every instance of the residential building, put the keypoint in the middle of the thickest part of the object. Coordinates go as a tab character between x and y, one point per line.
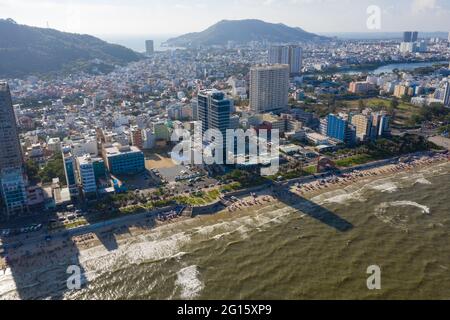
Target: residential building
407	36
381	124
290	55
194	106
214	111
363	126
69	170
401	90
149	47
136	138
269	87
99	168
149	139
446	99
124	159
361	87
13	190
10	150
340	129
86	175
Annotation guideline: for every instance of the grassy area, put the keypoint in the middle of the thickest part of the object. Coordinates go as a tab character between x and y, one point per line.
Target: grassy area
375	103
311	169
199	199
231	187
67	225
403	113
386	148
281	176
243	179
355	160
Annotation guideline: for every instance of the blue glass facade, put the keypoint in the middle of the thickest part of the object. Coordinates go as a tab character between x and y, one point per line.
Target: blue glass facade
126	163
340	129
336	127
70	172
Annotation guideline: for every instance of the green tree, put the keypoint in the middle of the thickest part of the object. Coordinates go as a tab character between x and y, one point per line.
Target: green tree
53	169
394	103
361	105
32	170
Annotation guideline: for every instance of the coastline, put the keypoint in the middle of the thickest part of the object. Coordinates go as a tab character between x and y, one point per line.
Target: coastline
89	248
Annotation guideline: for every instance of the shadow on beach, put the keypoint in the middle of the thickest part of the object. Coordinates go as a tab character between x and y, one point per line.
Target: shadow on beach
45	275
39	264
312	209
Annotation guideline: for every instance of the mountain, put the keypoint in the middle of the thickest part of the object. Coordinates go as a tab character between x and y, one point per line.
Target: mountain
243	31
28	50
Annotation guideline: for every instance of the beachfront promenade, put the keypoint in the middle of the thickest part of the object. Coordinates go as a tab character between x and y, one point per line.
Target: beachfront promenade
91	228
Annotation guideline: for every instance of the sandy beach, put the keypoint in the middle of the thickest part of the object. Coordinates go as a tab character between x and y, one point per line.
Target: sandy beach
27	264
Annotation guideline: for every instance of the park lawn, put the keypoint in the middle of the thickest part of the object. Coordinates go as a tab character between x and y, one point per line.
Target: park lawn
404	110
231	187
372	102
199	199
355	160
294	174
311	169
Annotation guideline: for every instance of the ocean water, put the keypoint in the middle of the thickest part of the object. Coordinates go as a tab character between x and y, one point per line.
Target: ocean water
137	43
400	223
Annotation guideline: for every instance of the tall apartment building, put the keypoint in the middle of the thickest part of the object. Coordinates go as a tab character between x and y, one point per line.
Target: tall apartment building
410	36
411	43
214	111
400	91
290	55
381	124
359	87
149	47
12	178
10	149
13	190
69	170
86	175
363	125
124	159
446	99
136	138
340	129
269	87
407	36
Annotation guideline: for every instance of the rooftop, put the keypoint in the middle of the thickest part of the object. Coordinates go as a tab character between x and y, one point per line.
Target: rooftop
117	149
271	67
3	86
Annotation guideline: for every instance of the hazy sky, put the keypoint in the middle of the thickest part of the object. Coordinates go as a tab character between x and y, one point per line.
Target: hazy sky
139	17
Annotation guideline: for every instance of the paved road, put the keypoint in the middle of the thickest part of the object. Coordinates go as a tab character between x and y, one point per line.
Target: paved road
114	223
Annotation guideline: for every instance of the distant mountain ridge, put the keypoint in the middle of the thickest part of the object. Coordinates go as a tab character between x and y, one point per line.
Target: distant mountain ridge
29	50
243	31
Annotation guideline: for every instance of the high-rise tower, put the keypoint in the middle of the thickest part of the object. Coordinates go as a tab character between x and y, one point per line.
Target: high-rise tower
10	149
269	87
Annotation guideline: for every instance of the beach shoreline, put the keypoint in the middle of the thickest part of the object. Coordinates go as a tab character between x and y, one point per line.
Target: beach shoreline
31	262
